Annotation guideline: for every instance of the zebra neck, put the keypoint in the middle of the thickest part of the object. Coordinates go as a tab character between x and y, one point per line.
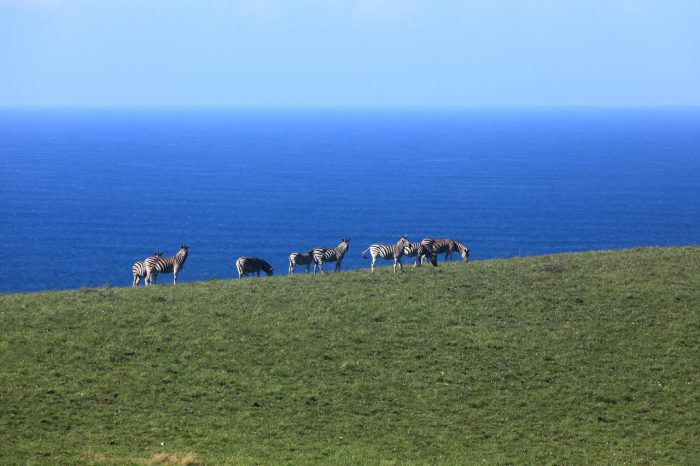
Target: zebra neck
180	259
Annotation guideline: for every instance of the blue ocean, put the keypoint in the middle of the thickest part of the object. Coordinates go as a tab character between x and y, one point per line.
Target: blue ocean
84	193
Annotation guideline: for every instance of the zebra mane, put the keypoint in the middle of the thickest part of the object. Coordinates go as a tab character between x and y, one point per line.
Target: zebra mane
461	246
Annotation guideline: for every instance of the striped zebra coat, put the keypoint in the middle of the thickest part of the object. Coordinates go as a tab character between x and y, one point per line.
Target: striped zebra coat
138	270
387	252
298	258
447	246
252	265
335	254
421	253
156	265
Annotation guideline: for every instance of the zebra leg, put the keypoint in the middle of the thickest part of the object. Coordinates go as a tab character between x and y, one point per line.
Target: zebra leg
371	265
174	277
400	265
337	266
291	268
308	268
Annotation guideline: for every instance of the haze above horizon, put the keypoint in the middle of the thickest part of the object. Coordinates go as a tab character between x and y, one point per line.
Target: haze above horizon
342	53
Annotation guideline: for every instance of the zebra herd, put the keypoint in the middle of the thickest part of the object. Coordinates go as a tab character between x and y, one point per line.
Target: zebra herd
426	250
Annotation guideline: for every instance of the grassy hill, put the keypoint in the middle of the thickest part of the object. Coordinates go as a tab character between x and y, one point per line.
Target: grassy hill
572	358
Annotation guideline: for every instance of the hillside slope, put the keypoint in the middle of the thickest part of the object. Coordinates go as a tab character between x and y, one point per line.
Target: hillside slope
569	358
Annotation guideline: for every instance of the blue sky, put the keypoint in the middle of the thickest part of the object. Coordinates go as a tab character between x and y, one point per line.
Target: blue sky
350	53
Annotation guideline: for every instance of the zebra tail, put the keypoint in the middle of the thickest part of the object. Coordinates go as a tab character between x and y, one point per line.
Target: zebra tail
364	253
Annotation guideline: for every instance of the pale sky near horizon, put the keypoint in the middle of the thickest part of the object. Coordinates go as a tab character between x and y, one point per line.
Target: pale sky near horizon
349	53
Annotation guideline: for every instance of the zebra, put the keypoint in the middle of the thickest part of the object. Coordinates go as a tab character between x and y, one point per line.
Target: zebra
335	254
448	246
139	270
420	252
298	258
387	251
156	265
252	265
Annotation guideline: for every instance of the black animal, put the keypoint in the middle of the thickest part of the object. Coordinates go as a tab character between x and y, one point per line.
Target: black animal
252	265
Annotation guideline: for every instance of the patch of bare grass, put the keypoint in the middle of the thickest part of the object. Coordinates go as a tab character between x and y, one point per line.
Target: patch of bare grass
169	459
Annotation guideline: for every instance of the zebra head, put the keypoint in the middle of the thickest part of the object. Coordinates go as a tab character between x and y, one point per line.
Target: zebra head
463	251
181	255
465	254
403	243
265	266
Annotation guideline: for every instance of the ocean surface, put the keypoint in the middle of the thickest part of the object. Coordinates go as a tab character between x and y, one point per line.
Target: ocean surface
84	193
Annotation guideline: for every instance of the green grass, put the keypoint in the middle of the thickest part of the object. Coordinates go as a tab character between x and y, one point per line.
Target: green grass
577	358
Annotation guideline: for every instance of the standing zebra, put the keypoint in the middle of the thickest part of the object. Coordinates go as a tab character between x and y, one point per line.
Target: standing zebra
156	265
298	258
335	254
139	270
387	251
252	265
448	246
420	252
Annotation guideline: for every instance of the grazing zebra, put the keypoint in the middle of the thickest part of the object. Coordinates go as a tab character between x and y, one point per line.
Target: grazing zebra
448	246
252	265
298	258
420	252
335	254
139	270
156	265
387	251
